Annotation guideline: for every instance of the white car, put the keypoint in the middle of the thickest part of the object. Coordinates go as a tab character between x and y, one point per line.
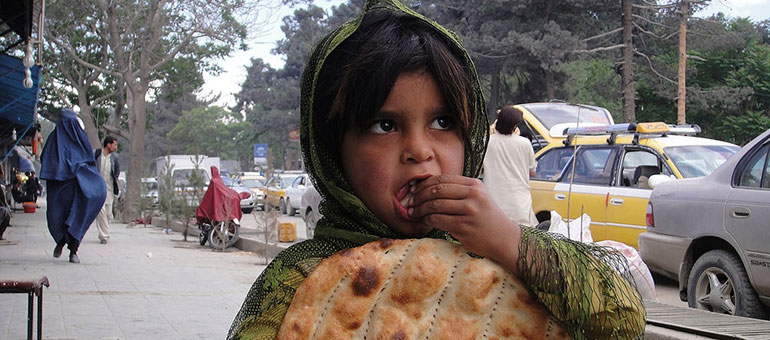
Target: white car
294	193
150	191
311	199
247	204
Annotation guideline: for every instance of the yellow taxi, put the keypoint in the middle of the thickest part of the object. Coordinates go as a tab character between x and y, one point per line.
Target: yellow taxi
540	118
275	189
604	171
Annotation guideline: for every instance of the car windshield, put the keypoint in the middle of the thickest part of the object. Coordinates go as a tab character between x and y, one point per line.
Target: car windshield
699	160
150	186
252	183
550	114
227	180
182	177
286	181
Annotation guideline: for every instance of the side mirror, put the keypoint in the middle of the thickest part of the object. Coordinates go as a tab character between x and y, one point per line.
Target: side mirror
655	180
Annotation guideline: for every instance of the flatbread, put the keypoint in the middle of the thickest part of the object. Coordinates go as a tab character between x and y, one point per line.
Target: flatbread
414	289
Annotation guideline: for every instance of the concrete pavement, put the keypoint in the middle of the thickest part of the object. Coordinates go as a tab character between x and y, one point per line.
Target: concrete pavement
143	284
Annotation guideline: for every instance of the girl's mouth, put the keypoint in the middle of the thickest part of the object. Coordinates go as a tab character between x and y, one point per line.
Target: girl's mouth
404	196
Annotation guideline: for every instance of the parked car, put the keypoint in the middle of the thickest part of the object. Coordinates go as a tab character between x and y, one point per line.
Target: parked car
540	118
275	189
294	193
256	184
247	204
311	199
611	171
150	191
712	234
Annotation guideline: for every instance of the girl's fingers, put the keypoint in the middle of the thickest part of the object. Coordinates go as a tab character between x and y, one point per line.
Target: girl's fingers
445	187
442	207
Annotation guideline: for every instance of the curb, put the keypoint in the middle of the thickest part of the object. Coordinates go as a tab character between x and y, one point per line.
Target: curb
247	240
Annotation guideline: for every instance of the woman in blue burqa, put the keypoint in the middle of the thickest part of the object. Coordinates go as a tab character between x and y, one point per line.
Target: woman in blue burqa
76	191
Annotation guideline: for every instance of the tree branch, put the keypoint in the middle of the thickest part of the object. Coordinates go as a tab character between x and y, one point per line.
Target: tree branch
603	34
653	68
116	131
599	49
80	61
650	21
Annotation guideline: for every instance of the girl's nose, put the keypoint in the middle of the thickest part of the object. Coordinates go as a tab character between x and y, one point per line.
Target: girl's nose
416	149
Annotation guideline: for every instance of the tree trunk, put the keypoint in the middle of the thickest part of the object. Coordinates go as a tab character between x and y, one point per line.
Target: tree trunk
494	96
138	128
549	85
684	9
629	88
88	118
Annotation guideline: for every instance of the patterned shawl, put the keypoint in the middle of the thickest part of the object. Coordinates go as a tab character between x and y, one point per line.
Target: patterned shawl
348	223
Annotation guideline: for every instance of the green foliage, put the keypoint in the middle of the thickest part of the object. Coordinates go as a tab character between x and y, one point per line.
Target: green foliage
212	131
167	204
742	129
594	82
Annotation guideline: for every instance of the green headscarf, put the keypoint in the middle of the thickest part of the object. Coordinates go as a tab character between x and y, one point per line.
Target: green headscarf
346	221
345	215
587	296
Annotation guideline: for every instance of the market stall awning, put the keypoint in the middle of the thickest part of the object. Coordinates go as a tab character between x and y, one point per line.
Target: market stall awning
17	103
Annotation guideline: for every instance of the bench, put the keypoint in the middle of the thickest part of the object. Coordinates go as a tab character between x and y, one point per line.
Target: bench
32	288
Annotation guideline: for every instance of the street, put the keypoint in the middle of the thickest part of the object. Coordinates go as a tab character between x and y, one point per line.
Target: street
143	284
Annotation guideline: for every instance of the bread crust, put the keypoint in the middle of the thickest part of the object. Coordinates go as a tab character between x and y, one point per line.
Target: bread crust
414	289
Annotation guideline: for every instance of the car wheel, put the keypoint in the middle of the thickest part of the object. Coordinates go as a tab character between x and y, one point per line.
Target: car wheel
718	283
282	206
247	210
291	210
310	222
545	225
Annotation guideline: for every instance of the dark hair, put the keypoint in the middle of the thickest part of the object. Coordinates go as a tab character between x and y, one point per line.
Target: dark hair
358	75
508	118
108	140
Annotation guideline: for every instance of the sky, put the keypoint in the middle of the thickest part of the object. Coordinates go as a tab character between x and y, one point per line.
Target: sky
264	37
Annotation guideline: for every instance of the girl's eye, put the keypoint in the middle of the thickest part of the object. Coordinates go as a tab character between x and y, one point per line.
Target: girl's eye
442	123
382	126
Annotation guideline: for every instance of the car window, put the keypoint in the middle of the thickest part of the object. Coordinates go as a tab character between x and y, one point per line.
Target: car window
298	181
182	176
638	166
754	174
227	180
252	183
550	115
286	181
537	140
592	166
699	160
550	164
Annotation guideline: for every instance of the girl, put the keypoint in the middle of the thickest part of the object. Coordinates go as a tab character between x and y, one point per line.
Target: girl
393	133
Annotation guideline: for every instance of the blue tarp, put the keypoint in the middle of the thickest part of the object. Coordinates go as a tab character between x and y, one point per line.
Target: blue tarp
17	103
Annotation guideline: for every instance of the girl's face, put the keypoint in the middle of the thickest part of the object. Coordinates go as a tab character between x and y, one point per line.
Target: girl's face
411	138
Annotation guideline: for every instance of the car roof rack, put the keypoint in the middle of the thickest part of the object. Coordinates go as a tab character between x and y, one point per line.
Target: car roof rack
647	129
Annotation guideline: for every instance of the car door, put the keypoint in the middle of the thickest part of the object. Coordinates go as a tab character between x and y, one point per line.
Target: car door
629	194
747	212
295	190
587	192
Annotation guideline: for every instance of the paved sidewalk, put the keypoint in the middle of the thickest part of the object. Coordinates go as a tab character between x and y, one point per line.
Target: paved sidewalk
143	284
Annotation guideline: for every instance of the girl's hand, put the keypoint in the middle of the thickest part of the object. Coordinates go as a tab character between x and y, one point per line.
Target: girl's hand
462	206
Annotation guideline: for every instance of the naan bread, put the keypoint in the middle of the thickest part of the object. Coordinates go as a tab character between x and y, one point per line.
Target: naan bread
414	289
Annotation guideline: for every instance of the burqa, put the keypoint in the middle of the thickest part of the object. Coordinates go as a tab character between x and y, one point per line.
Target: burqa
76	191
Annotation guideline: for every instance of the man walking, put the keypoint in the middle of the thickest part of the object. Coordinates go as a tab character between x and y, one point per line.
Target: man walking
109	168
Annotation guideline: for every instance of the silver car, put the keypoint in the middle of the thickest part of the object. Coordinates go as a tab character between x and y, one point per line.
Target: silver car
247	204
311	199
712	234
294	193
